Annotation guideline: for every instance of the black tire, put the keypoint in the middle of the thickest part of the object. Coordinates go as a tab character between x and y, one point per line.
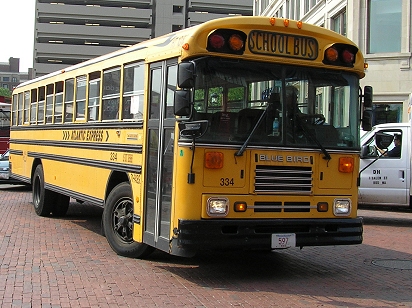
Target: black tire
61	205
43	199
118	223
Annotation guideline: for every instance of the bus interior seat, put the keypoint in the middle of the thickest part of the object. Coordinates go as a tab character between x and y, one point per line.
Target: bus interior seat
326	134
223	122
247	118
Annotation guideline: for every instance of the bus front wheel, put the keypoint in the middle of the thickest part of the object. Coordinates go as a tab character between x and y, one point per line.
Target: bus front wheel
43	199
118	223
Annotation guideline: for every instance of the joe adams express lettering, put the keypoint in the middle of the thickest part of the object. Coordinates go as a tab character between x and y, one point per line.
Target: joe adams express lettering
281	44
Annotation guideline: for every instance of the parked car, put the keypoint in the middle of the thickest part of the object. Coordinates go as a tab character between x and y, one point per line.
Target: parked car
5	170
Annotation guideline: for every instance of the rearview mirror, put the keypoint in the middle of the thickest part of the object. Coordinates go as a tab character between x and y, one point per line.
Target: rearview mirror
186	75
367	120
367	96
182	102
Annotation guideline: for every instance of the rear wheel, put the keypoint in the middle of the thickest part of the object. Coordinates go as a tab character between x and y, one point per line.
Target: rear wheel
118	223
43	199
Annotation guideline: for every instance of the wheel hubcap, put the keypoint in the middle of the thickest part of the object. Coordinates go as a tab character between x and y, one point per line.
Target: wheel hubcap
123	220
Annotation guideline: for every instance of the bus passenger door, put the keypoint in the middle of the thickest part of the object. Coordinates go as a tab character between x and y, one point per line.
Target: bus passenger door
159	154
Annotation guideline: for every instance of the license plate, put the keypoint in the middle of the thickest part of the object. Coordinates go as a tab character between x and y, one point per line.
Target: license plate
4	176
285	240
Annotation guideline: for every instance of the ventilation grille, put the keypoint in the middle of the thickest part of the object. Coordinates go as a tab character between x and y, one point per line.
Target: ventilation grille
283	179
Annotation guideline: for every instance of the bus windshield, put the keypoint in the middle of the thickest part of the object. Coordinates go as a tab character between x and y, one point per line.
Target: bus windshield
276	105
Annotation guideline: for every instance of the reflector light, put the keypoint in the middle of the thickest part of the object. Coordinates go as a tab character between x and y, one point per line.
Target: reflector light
272	21
286	22
331	54
214	160
240	206
322	206
346	164
299	24
236	42
217	41
347	56
185	46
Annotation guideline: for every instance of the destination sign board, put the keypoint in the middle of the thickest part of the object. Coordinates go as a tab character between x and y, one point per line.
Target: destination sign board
282	44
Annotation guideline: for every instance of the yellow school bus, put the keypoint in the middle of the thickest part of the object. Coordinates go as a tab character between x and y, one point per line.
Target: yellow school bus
239	133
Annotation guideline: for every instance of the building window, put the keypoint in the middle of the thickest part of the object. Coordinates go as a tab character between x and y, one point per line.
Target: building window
385	26
176	28
339	23
177	9
14	79
6	78
306	7
5	85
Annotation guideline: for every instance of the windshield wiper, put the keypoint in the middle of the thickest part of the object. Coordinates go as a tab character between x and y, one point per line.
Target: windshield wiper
243	148
313	138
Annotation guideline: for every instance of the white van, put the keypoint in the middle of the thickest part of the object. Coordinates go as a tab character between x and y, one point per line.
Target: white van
385	179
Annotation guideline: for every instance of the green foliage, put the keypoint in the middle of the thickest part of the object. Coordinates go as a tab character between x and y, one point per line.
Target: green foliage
5	92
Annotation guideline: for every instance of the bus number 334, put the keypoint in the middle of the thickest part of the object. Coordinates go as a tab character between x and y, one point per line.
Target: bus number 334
227	182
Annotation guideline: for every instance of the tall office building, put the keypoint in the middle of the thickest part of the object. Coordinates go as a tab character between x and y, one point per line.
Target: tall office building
72	31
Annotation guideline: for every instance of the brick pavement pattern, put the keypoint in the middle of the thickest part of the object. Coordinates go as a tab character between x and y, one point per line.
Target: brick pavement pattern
50	262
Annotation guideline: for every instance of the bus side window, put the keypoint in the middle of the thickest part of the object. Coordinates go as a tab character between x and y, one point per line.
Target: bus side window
81	83
133	90
33	107
94	96
68	100
26	106
40	106
49	102
20	109
111	94
58	103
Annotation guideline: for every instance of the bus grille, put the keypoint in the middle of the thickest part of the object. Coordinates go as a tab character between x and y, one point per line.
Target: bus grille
283	179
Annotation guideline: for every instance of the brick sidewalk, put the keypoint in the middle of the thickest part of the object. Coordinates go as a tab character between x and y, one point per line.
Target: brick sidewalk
49	262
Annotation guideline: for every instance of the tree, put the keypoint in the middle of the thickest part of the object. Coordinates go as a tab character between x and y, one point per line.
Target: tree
5	92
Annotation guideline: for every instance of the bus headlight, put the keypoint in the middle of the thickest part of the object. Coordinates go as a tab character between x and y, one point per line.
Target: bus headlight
342	207
217	206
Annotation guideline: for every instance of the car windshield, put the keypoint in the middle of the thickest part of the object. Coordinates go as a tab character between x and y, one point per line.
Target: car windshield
270	104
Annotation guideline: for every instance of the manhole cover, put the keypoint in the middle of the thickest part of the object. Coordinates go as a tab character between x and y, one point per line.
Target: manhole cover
394	263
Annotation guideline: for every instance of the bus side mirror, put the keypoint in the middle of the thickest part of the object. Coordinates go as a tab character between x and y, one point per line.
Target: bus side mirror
367	120
182	103
186	75
367	96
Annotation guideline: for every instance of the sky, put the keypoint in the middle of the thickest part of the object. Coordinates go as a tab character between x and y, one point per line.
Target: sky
17	38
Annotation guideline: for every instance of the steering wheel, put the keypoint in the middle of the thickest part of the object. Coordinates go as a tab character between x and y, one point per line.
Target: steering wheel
319	119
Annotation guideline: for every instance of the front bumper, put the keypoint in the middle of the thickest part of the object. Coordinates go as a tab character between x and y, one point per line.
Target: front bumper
257	234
